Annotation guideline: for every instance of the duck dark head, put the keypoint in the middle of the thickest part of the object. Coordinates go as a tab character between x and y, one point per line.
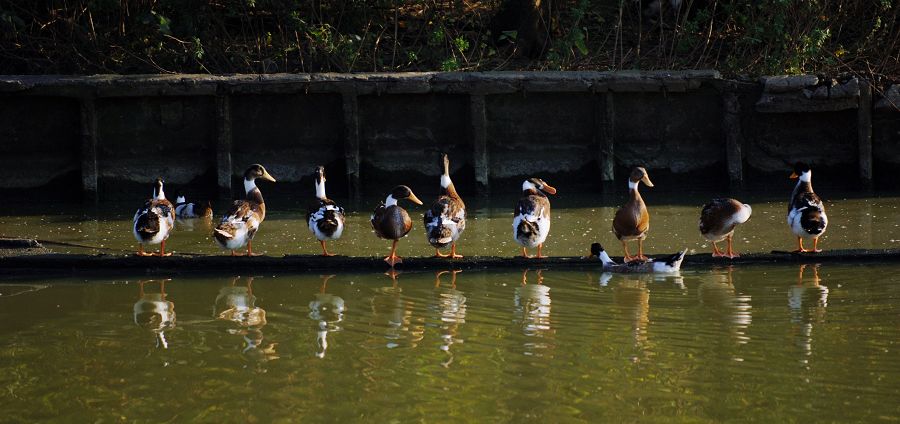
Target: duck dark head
399	193
801	171
596	248
535	184
638	174
257	171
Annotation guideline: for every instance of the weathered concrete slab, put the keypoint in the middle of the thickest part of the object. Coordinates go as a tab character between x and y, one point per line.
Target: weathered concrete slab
121	264
890	100
806	93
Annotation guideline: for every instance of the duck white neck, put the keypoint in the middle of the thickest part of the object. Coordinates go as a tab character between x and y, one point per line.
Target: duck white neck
527	185
249	185
320	189
161	195
390	201
632	185
445	181
806	177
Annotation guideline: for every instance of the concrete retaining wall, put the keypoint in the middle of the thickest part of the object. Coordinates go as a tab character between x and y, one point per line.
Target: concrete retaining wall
100	136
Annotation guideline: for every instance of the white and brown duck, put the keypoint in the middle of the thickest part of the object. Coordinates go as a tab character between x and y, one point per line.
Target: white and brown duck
240	223
667	265
719	218
325	217
154	221
632	220
188	210
531	223
392	222
446	219
806	212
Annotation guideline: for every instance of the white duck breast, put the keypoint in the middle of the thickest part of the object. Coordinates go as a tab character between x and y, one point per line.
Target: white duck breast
153	223
243	231
327	223
526	222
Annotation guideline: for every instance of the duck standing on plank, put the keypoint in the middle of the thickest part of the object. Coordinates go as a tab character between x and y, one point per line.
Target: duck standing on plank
531	223
446	219
632	220
806	212
154	221
240	223
325	218
718	220
391	222
669	264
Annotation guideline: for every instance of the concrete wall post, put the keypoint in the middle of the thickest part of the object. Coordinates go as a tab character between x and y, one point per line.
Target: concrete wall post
223	146
480	160
731	127
351	143
864	128
89	168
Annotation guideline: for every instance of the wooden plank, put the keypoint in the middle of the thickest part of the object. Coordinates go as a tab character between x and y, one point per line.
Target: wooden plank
223	146
478	128
351	143
89	167
864	128
731	127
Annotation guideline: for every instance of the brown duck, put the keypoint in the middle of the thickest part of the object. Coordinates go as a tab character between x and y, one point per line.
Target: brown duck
446	219
718	220
632	220
391	222
239	225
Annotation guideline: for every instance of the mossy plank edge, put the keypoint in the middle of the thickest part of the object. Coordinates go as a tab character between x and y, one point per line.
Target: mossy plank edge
56	263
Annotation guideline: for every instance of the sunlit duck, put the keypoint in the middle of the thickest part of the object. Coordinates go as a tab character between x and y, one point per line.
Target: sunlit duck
391	222
153	312
531	223
806	213
661	266
154	221
718	220
185	209
240	223
632	220
325	218
446	219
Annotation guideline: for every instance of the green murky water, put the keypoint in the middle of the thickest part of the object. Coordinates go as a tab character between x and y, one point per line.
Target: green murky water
578	220
765	344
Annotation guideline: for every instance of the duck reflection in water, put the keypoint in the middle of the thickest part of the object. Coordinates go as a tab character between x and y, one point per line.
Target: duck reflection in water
401	325
807	300
237	304
154	313
327	310
532	302
719	300
451	311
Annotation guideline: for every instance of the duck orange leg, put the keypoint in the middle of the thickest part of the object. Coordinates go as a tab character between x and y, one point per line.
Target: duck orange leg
141	251
716	252
816	245
438	254
799	246
730	253
162	250
453	253
628	257
525	253
539	254
393	259
325	249
640	254
250	249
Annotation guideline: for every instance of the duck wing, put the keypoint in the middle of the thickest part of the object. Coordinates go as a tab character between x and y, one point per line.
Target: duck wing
716	214
812	219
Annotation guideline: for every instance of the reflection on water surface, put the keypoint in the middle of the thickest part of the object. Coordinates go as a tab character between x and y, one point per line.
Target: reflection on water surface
705	345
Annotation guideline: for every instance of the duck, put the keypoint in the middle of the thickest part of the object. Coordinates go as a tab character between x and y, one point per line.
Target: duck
632	220
806	212
531	223
324	217
154	221
186	210
240	223
446	220
668	265
719	218
392	222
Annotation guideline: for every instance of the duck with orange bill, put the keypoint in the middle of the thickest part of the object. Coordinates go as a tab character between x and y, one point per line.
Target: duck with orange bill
667	265
391	222
240	223
632	220
154	221
531	223
446	219
718	219
325	217
806	212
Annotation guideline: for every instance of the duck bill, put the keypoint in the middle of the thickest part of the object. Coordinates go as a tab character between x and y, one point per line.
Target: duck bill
548	189
267	177
414	199
794	176
646	181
